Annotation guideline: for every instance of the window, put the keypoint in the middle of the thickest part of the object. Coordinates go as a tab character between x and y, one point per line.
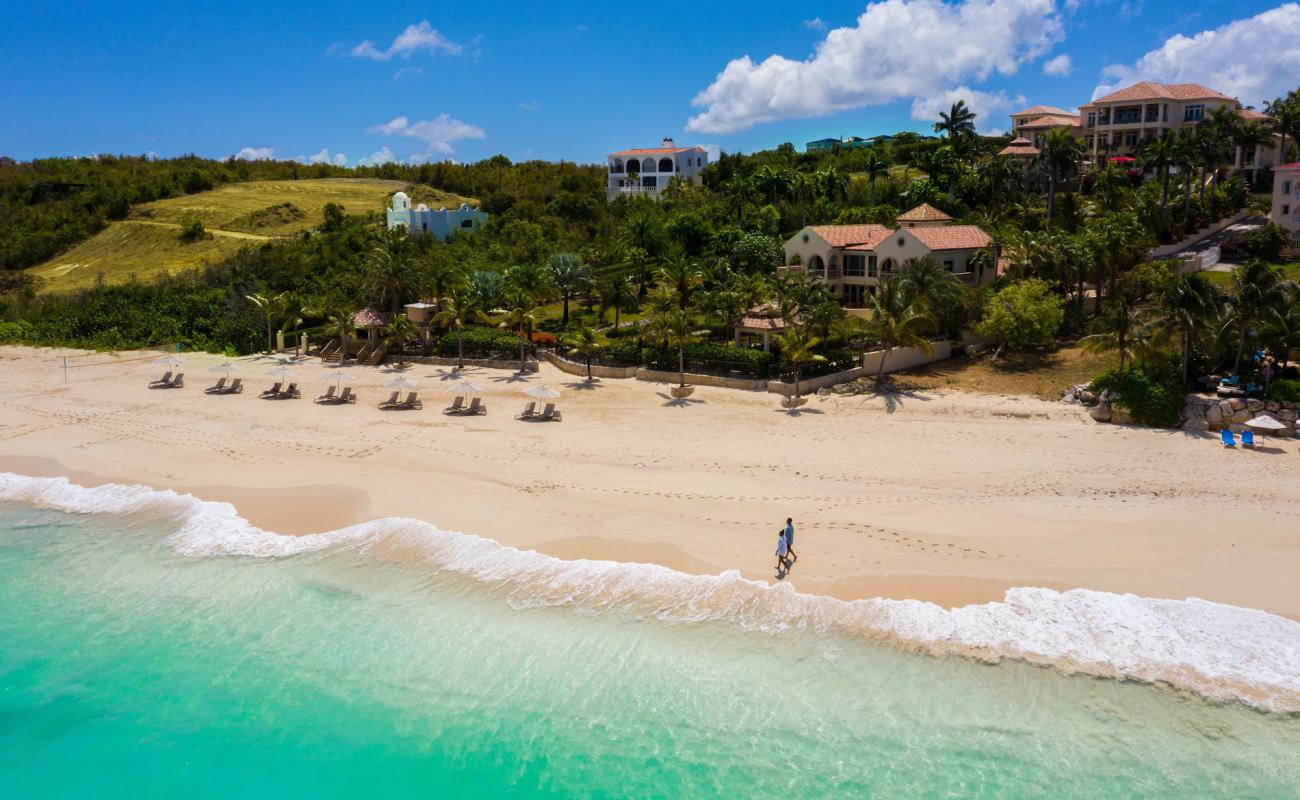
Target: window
1286	210
947	264
650	183
854	266
1130	138
424	226
1164	113
1194	112
1286	187
1092	118
871	266
467	223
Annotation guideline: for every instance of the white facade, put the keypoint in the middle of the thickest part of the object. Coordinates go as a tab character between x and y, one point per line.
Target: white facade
647	172
1286	199
424	221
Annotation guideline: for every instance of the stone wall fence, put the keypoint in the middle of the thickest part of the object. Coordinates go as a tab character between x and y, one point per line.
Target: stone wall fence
1203	413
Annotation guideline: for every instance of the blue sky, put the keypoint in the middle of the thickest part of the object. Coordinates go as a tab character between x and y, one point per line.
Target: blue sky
415	81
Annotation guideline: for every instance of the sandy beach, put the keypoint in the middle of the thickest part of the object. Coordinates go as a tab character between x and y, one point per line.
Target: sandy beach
945	497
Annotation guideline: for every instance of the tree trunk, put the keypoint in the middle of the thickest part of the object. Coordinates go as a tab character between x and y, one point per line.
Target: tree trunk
1241	348
343	350
1187	200
460	349
270	344
521	356
1187	354
565	322
589	367
1164	201
796	381
880	370
1051	198
681	364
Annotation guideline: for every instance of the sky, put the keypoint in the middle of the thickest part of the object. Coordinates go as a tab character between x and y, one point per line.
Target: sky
354	83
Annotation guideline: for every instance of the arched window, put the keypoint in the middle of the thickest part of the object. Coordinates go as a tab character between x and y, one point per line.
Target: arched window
617	166
665	165
815	264
634	166
888	266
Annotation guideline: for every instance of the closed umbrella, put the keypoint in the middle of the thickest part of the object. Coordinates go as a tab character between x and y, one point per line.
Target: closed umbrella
541	392
1265	423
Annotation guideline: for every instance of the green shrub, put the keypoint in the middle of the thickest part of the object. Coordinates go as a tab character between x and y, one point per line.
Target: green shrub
477	337
1151	400
1024	314
1284	390
19	331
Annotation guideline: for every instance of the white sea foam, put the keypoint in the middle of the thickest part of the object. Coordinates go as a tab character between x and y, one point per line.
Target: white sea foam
1219	651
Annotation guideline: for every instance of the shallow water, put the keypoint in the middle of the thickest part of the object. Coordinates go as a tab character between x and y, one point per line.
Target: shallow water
129	667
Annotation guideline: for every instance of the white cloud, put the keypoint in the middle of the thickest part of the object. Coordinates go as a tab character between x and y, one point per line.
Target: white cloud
404	71
991	108
437	133
381	156
1059	66
529	105
255	154
816	24
899	49
1253	59
324	157
415	38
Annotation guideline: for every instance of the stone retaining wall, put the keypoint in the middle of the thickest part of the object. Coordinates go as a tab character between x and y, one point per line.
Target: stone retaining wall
530	365
1203	413
597	370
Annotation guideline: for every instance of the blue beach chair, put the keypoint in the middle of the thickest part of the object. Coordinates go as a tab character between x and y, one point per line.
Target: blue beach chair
1248	438
1228	439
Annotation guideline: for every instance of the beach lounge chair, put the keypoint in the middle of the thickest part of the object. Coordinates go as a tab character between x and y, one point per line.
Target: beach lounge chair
550	414
290	393
273	391
328	397
165	380
216	388
1228	439
178	382
236	387
347	396
412	401
456	405
1248	438
475	407
391	402
528	412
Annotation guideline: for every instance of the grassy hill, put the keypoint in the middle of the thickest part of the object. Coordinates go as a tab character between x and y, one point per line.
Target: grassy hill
148	241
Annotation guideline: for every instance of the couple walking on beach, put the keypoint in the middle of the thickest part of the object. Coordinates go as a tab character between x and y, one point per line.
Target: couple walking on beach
785	554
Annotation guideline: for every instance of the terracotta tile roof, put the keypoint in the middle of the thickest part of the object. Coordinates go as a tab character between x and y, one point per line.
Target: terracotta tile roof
1040	110
1251	115
1146	90
1054	121
952	237
924	213
370	318
846	235
656	151
772	324
1019	147
1295	165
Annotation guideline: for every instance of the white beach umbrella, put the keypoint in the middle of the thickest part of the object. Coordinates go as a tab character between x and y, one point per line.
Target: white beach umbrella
226	367
170	361
401	382
1265	423
465	387
284	373
541	392
339	376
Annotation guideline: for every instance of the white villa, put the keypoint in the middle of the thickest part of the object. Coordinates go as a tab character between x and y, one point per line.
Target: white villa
1286	199
646	172
424	221
855	259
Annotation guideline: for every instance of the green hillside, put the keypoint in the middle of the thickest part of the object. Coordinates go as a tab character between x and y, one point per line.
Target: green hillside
148	242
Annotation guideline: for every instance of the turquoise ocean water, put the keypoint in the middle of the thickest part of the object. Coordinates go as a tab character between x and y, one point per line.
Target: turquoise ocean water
130	666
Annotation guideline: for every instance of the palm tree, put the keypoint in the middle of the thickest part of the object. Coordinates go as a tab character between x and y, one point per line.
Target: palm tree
568	274
400	331
587	343
338	325
683	275
925	281
1216	131
273	308
739	192
959	121
1186	303
1117	329
618	293
520	318
1252	135
874	166
391	275
460	308
1184	157
531	285
487	285
1160	154
834	184
1255	287
1061	154
898	320
675	329
1284	117
442	277
772	184
1280	325
797	349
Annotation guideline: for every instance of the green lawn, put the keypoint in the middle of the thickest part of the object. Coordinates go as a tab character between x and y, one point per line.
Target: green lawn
1224	279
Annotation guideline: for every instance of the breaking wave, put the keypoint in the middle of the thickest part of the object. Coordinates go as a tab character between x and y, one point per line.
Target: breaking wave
1222	652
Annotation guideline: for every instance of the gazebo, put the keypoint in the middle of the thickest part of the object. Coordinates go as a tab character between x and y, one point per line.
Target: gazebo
1020	149
371	321
764	321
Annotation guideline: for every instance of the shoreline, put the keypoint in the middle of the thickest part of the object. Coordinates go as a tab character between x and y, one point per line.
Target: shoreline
940	497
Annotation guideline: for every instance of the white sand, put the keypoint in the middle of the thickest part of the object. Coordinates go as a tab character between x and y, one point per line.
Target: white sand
943	496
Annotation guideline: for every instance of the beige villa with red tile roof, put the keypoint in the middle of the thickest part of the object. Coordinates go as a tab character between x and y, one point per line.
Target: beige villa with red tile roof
647	171
855	259
1285	209
1119	123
